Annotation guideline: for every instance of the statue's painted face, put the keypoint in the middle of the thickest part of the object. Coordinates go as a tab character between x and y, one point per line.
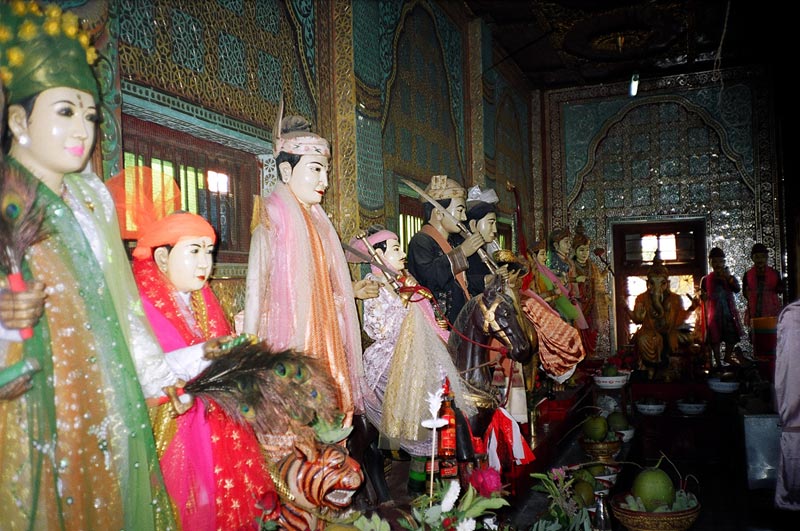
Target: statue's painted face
564	246
582	253
394	255
457	208
487	227
189	263
718	264
61	132
309	179
541	256
760	260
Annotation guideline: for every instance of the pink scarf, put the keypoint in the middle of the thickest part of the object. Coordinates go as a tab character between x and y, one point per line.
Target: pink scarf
288	296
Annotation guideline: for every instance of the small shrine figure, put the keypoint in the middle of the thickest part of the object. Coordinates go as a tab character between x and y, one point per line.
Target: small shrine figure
213	467
299	293
559	256
762	286
556	320
720	316
76	448
662	316
547	285
587	287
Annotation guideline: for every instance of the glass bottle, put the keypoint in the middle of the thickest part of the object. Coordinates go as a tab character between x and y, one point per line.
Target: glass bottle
602	518
447	434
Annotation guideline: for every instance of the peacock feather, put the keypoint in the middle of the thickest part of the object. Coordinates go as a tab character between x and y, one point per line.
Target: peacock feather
268	390
20	218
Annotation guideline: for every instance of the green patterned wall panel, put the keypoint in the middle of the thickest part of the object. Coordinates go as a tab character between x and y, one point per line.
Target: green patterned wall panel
136	24
268	15
188	48
235	57
367	31
370	163
234	6
269	78
230	51
419	105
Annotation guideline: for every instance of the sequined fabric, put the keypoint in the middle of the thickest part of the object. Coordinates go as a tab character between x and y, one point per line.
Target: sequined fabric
77	451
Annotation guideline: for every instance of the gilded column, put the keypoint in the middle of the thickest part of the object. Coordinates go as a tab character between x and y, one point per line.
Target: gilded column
337	90
474	97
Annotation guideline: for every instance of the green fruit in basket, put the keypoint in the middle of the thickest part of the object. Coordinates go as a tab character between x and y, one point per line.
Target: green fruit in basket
610	370
595	428
584	493
596	470
617	421
654	487
583	474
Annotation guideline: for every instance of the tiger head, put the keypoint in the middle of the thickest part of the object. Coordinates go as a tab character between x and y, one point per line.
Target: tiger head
328	482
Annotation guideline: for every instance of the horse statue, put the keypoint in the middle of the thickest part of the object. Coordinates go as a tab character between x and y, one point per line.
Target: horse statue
490	315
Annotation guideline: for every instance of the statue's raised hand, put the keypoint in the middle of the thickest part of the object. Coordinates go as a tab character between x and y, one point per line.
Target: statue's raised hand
22	309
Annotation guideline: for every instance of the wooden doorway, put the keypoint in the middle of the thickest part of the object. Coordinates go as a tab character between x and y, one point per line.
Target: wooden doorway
681	244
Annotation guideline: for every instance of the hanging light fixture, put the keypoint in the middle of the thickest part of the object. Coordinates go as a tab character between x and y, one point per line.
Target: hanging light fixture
634	88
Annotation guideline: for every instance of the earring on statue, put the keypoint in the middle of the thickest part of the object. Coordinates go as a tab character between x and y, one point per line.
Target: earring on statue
24	139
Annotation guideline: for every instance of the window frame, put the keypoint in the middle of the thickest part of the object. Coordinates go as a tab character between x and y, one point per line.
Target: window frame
148	141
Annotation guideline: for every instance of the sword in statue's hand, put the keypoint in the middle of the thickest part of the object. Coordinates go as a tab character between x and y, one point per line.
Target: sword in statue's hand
465	232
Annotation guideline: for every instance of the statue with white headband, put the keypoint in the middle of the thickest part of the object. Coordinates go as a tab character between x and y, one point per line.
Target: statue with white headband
299	293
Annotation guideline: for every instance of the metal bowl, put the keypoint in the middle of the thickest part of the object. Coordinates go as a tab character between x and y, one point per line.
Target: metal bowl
646	521
602	451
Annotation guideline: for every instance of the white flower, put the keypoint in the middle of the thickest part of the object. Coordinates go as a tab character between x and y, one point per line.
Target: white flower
451	497
435	402
466	525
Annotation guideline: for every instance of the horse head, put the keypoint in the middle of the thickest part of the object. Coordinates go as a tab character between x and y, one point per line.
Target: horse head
497	316
490	315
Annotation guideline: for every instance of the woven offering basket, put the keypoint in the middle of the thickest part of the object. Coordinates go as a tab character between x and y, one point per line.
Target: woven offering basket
644	521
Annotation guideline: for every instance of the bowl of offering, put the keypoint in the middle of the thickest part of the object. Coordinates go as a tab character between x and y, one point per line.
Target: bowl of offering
653	521
616	381
602	451
651	408
718	386
691	407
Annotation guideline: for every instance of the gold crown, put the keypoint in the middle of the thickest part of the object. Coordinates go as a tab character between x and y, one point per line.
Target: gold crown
441	187
24	23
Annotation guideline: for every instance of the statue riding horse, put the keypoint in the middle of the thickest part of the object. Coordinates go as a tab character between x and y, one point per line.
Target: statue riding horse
490	315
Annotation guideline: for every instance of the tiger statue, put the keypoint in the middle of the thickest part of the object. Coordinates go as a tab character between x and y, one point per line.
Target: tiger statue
315	493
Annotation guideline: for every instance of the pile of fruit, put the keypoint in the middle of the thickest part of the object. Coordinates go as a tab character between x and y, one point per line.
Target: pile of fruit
596	429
